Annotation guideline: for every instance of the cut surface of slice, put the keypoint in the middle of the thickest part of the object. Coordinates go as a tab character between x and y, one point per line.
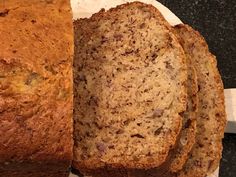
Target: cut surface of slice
130	79
211	117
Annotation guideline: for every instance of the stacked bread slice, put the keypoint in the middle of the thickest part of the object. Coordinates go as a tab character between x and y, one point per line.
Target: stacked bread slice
148	98
211	117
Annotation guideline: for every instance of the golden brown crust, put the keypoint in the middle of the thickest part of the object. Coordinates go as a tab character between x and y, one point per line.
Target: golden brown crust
94	163
211	117
107	171
36	85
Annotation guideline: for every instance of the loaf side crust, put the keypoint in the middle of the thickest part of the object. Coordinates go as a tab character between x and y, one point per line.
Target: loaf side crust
36	85
211	117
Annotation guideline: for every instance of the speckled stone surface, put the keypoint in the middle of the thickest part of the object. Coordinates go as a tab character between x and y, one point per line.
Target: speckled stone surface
228	162
216	20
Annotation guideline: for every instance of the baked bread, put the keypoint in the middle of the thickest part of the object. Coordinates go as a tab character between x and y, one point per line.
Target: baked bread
211	117
186	138
129	89
187	135
36	86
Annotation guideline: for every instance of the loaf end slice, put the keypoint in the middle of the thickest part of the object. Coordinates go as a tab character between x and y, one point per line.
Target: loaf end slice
187	135
211	117
188	132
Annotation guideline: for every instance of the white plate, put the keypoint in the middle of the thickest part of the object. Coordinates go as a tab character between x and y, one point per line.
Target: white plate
85	8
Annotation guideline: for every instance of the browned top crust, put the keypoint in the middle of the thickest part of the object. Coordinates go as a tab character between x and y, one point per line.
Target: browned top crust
130	87
211	116
35	85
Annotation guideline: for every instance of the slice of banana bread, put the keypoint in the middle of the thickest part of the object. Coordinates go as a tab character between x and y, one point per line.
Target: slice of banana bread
130	89
186	140
187	135
211	117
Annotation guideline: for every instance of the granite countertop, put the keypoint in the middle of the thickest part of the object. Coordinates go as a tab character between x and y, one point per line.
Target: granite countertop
216	21
228	161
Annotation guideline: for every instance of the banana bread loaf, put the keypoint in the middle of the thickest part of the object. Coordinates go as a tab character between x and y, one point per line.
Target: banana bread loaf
35	86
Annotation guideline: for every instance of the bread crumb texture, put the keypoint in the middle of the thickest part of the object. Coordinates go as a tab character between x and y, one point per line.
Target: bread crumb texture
129	88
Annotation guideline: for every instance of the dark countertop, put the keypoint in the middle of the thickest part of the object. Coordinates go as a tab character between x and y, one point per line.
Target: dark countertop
228	161
216	21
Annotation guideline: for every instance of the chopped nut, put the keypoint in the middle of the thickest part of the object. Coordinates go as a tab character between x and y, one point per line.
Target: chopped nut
4	13
101	147
93	101
120	131
137	136
142	25
158	131
158	112
135	158
30	78
118	37
168	65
